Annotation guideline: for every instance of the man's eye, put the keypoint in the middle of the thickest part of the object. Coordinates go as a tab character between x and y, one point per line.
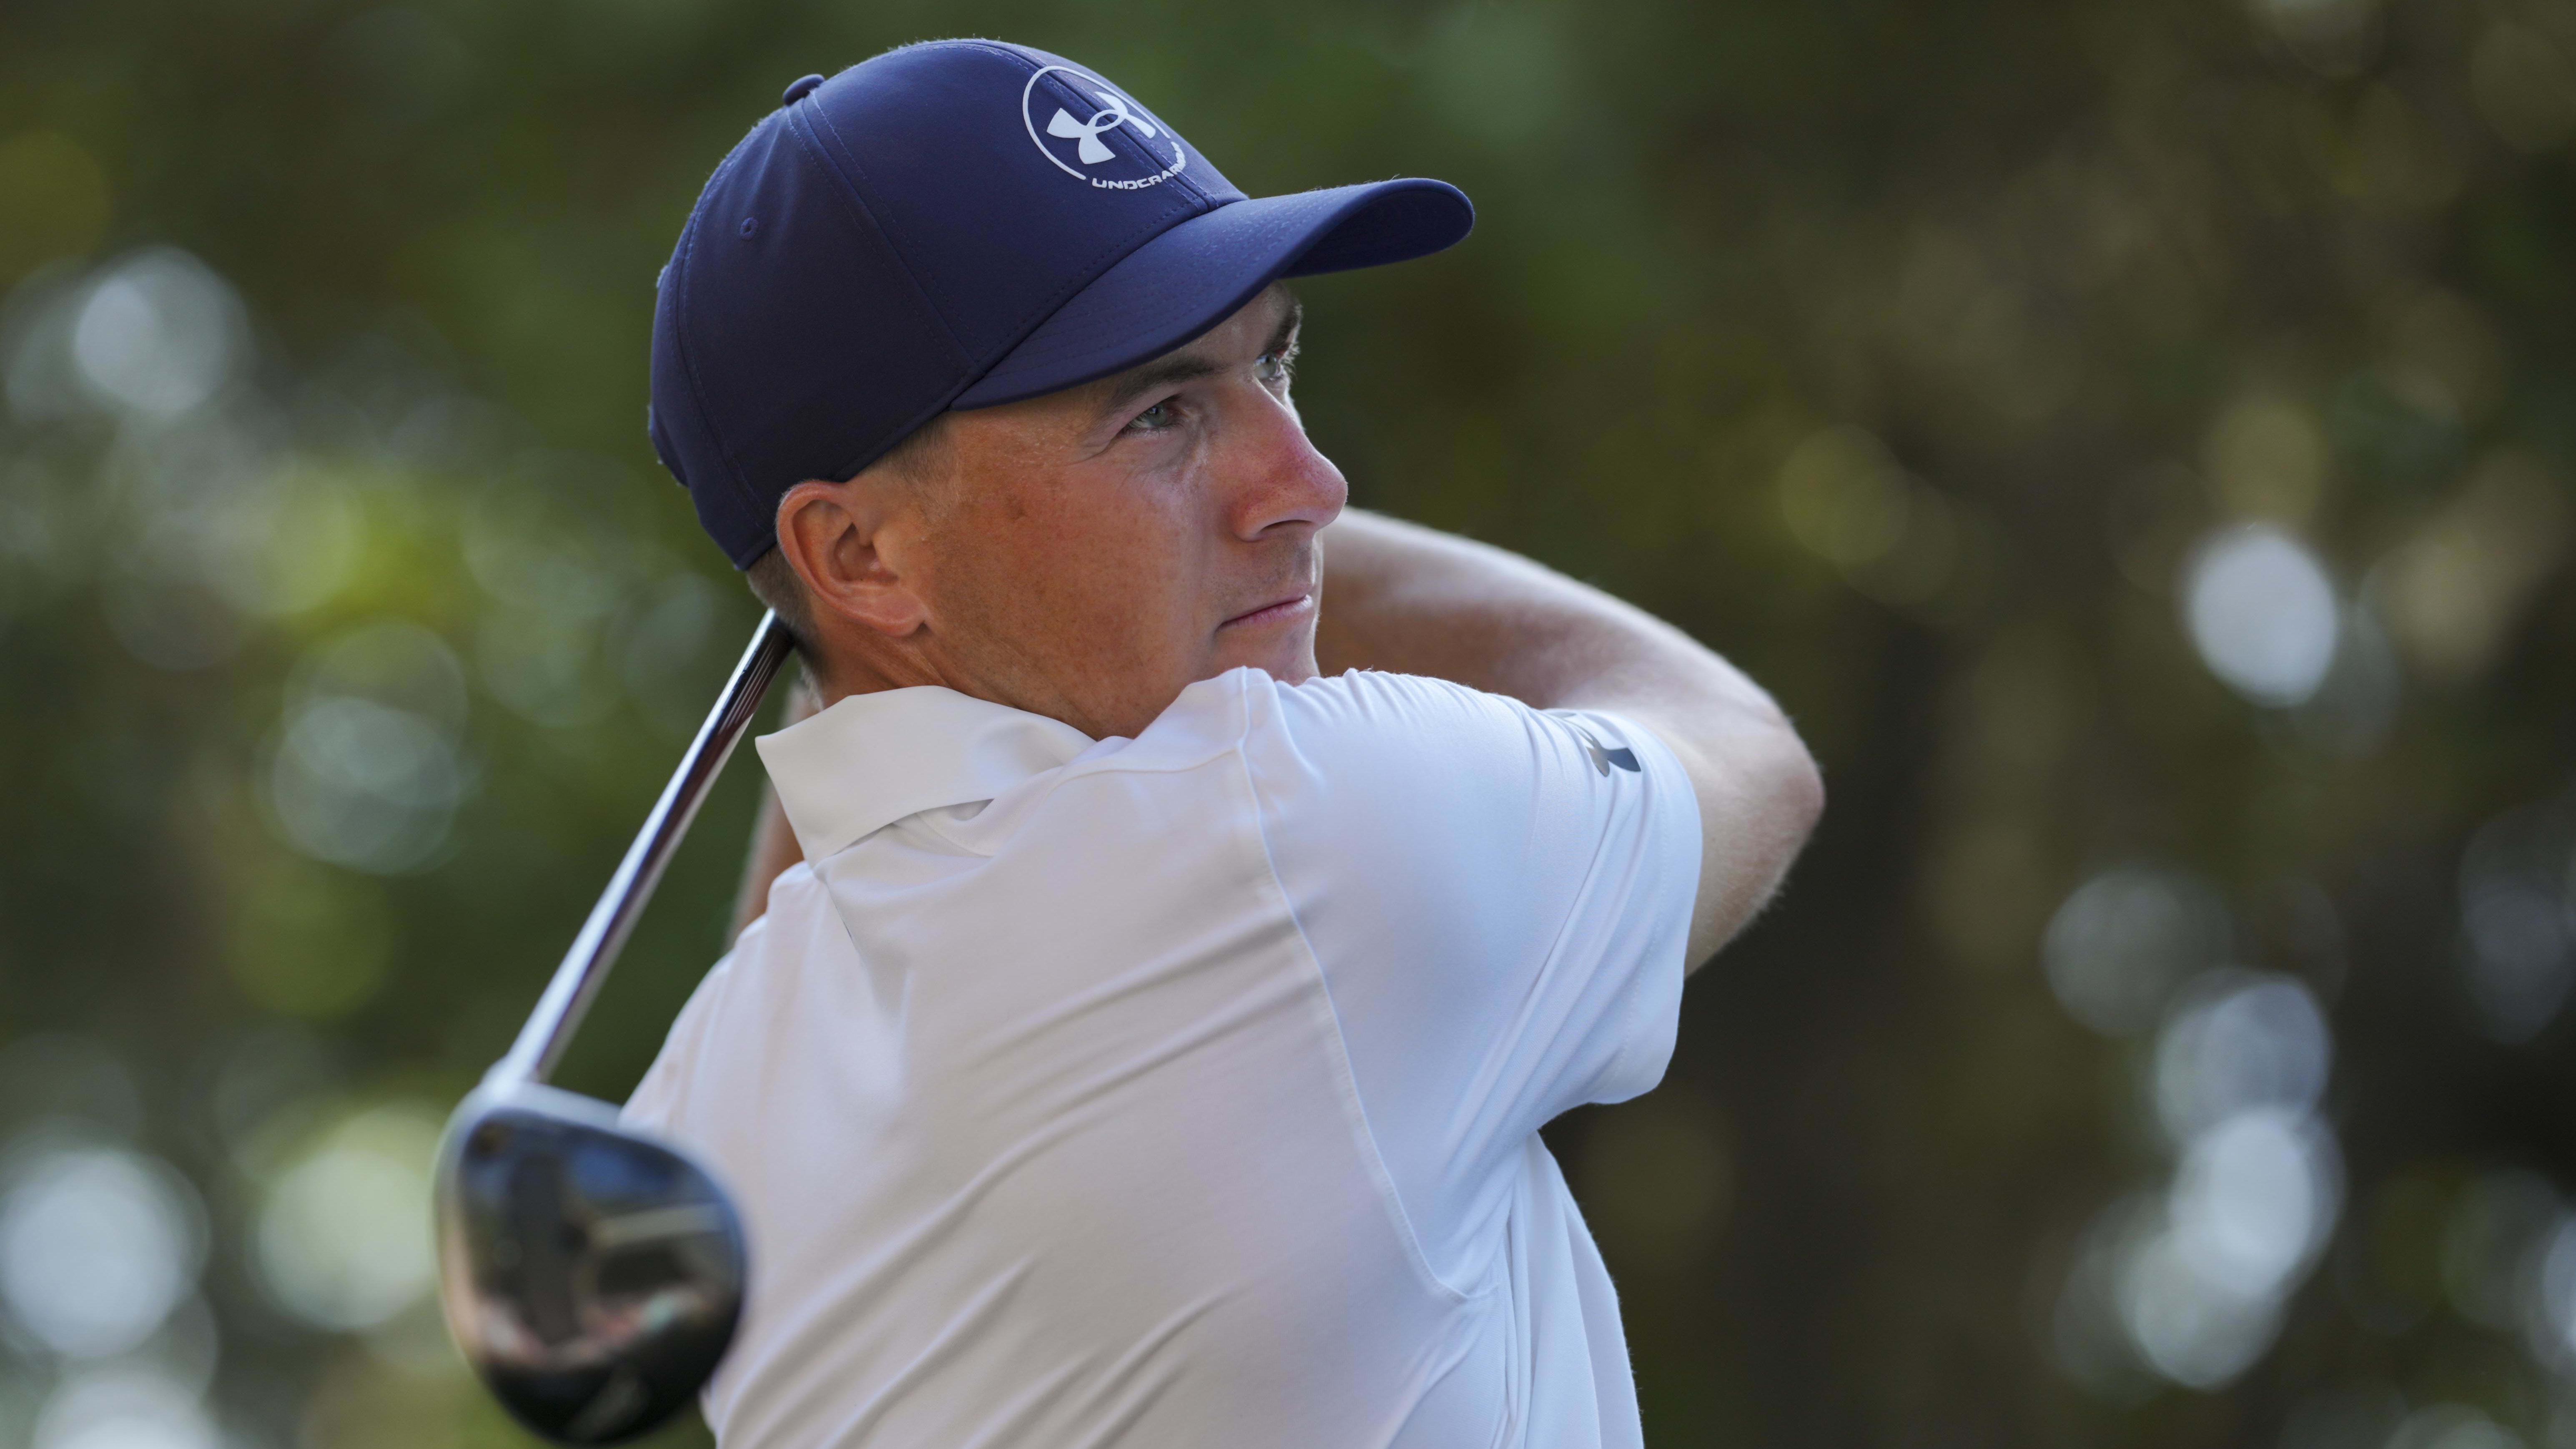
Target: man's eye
1273	368
1156	418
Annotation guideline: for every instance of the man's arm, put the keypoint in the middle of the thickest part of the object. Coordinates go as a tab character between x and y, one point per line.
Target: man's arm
1410	600
773	843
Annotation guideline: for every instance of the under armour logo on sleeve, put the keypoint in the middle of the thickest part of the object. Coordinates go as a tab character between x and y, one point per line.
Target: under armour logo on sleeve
1603	758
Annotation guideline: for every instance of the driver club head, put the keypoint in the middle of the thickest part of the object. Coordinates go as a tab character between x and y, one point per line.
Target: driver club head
592	1275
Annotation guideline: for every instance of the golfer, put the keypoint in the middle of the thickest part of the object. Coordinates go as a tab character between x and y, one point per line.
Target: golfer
1149	1042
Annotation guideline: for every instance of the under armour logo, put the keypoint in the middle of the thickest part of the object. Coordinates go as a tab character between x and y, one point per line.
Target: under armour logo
1101	169
1112	115
1603	758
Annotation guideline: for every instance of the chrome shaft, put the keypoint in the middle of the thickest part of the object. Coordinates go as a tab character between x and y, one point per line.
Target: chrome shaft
568	996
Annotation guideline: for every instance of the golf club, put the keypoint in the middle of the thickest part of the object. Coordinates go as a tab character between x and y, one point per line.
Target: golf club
591	1274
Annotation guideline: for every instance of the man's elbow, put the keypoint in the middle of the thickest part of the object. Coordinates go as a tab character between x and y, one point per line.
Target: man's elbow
1799	790
1758	808
1785	795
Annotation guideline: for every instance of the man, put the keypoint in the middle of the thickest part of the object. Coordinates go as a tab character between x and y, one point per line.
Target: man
1150	1045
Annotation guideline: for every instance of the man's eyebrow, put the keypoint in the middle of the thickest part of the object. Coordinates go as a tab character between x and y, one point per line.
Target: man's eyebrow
1153	375
1184	369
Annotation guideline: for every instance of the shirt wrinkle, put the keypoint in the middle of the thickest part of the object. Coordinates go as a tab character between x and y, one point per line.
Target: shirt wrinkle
1383	1180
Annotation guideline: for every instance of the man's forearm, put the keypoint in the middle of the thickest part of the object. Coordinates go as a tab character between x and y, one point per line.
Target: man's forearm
1413	600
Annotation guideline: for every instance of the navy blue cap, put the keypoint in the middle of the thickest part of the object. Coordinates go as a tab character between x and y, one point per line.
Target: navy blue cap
958	224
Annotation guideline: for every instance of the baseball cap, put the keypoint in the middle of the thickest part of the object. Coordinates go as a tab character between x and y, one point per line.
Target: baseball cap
958	224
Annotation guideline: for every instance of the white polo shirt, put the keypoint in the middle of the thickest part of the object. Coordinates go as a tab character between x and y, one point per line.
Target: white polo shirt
1184	1091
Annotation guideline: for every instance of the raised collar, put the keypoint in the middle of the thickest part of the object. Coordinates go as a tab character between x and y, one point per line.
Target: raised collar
873	759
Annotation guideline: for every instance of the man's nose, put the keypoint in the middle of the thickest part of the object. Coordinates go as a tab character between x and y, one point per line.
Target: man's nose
1286	484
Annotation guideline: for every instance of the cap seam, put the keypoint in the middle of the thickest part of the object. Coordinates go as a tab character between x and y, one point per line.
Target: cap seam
824	138
852	174
822	141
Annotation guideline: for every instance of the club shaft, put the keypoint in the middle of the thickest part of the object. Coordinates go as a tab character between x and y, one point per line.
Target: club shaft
568	996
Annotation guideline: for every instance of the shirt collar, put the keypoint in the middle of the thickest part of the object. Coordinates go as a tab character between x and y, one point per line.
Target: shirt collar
873	759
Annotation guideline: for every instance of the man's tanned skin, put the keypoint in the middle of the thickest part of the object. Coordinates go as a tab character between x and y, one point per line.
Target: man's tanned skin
1089	554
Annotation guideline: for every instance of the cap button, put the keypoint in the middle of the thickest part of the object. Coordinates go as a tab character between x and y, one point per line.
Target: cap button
799	91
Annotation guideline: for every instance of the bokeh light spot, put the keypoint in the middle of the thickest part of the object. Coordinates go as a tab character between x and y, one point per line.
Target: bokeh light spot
2456	587
97	1245
364	785
2452	1426
284	545
127	1408
2193	1328
393	662
367	768
2262	613
2551	1298
159	335
2518	919
2254	1199
2125	939
344	1239
2239	1041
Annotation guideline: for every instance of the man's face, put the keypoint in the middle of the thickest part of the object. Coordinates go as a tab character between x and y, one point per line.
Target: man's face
1091	553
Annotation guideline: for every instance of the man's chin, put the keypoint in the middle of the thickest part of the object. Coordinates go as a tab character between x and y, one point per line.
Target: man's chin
1288	666
1290	660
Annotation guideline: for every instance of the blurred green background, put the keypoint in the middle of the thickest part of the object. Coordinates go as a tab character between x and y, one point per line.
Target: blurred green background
2131	436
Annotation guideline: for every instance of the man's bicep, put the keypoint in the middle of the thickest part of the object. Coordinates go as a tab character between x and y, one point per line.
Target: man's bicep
1498	896
1759	796
1419	821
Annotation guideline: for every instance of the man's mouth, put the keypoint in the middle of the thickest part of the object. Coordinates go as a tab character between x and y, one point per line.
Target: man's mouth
1274	612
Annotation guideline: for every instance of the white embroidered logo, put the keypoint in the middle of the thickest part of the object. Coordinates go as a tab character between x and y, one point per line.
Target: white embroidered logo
1115	112
1111	115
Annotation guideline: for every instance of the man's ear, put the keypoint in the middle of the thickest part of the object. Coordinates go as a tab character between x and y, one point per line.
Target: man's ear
838	537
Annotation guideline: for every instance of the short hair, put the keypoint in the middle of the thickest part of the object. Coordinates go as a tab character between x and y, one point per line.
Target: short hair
776	585
923	459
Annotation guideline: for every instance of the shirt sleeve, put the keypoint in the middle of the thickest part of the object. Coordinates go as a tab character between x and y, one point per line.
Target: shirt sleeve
659	1099
660	1102
1498	897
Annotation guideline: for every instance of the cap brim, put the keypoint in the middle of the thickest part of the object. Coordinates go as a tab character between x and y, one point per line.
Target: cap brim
1196	274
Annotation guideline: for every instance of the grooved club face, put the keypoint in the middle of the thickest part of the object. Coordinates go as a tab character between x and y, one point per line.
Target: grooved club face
593	1277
